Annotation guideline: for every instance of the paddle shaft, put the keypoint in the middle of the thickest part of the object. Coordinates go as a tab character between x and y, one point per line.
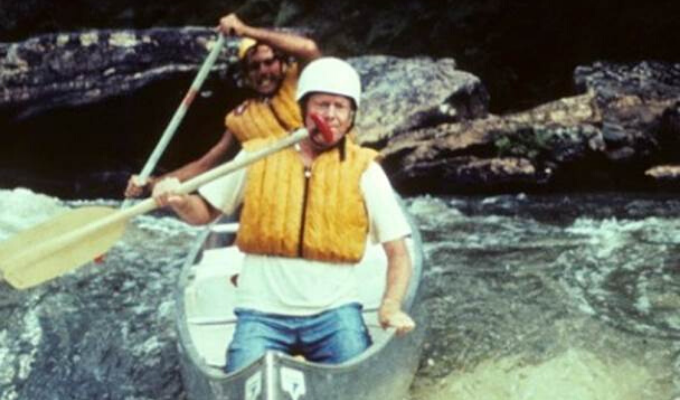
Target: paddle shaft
181	111
209	176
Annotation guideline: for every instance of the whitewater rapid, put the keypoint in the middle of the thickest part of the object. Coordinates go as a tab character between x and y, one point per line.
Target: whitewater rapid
528	297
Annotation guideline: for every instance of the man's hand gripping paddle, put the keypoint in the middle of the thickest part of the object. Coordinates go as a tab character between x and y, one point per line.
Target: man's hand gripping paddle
77	236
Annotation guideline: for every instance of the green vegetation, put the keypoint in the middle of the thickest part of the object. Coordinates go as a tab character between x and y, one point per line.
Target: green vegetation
527	143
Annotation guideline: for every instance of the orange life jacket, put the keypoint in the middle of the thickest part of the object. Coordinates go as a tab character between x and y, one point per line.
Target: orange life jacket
322	217
269	117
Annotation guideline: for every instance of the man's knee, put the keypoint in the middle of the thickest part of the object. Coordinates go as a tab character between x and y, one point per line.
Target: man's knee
241	356
343	335
253	337
349	344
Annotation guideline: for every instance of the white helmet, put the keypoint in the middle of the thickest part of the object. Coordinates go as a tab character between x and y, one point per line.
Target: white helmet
330	75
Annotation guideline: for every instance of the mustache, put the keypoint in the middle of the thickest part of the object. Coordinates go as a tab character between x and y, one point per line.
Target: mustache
270	77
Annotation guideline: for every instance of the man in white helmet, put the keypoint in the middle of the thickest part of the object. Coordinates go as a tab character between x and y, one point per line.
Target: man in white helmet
270	110
307	214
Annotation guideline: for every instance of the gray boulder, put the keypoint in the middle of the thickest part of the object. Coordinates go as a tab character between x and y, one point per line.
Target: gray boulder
402	95
79	68
617	134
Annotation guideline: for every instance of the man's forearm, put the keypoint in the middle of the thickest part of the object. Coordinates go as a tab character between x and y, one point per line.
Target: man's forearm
390	313
398	271
300	47
195	210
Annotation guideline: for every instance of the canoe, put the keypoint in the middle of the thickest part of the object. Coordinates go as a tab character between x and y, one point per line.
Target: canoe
205	324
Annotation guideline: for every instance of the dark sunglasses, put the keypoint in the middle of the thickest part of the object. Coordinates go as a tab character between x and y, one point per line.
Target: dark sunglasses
254	65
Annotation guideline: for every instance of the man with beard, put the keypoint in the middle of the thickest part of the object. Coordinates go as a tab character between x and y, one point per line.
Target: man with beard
270	111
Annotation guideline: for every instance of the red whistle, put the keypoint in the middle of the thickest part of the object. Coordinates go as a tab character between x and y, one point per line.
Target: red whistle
323	127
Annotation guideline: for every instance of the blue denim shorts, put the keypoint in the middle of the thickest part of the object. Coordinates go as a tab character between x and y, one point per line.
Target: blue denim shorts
331	337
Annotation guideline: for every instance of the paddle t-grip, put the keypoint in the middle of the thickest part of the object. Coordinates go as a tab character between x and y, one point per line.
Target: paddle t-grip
323	127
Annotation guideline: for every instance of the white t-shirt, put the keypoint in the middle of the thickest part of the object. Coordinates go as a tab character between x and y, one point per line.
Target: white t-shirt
296	286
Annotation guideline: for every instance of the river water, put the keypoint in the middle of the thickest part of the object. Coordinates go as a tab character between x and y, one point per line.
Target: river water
529	297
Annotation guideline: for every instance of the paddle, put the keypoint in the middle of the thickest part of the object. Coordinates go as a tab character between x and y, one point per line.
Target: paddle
189	97
74	238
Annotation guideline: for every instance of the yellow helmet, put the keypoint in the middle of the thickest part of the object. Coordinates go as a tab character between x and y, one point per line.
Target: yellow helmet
245	45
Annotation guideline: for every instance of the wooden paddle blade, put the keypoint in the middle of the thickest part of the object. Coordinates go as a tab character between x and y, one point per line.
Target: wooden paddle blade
58	245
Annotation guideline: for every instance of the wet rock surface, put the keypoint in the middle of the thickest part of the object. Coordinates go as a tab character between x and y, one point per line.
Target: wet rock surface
402	95
525	53
110	335
110	95
615	135
79	68
430	119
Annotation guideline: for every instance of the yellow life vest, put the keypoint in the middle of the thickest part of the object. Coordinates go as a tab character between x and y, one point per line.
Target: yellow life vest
322	217
269	117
